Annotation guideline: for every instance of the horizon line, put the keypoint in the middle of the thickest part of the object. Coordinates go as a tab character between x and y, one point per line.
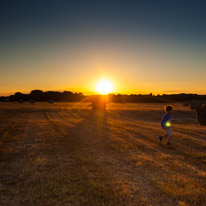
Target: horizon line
114	93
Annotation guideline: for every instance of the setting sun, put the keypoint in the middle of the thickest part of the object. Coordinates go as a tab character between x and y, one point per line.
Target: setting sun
104	87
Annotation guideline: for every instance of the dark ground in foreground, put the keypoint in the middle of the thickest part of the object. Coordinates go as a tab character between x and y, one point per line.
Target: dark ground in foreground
65	154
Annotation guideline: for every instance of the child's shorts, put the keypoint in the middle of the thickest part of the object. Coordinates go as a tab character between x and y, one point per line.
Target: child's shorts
168	131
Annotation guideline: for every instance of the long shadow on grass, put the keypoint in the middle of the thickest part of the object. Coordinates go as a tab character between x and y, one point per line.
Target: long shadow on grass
91	130
85	146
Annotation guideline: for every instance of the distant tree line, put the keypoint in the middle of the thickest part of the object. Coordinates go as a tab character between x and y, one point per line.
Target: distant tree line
40	96
156	98
67	96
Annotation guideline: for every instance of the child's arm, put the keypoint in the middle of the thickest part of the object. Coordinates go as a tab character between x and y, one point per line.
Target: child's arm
163	122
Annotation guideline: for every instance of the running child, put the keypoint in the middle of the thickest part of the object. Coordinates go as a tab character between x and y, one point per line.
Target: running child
166	124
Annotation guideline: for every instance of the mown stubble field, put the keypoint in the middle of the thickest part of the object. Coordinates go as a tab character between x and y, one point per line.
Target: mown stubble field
65	154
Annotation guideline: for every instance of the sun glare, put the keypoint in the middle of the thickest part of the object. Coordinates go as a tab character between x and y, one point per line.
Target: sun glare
104	87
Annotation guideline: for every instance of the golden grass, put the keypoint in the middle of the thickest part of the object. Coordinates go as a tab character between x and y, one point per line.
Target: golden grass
65	154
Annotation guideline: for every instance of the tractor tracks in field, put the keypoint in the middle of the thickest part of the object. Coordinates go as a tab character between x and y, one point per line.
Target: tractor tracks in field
178	127
151	131
137	142
189	151
11	122
56	125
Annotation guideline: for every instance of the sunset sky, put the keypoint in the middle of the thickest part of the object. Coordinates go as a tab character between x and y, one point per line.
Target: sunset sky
140	46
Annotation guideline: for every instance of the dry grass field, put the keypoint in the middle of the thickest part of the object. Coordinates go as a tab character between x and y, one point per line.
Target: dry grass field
65	154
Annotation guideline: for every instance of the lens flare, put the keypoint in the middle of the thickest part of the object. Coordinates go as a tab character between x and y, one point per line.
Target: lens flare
168	124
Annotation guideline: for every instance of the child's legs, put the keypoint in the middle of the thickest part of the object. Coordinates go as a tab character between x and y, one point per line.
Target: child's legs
169	133
169	137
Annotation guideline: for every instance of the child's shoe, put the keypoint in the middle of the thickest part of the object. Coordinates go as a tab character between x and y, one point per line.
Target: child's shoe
160	138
